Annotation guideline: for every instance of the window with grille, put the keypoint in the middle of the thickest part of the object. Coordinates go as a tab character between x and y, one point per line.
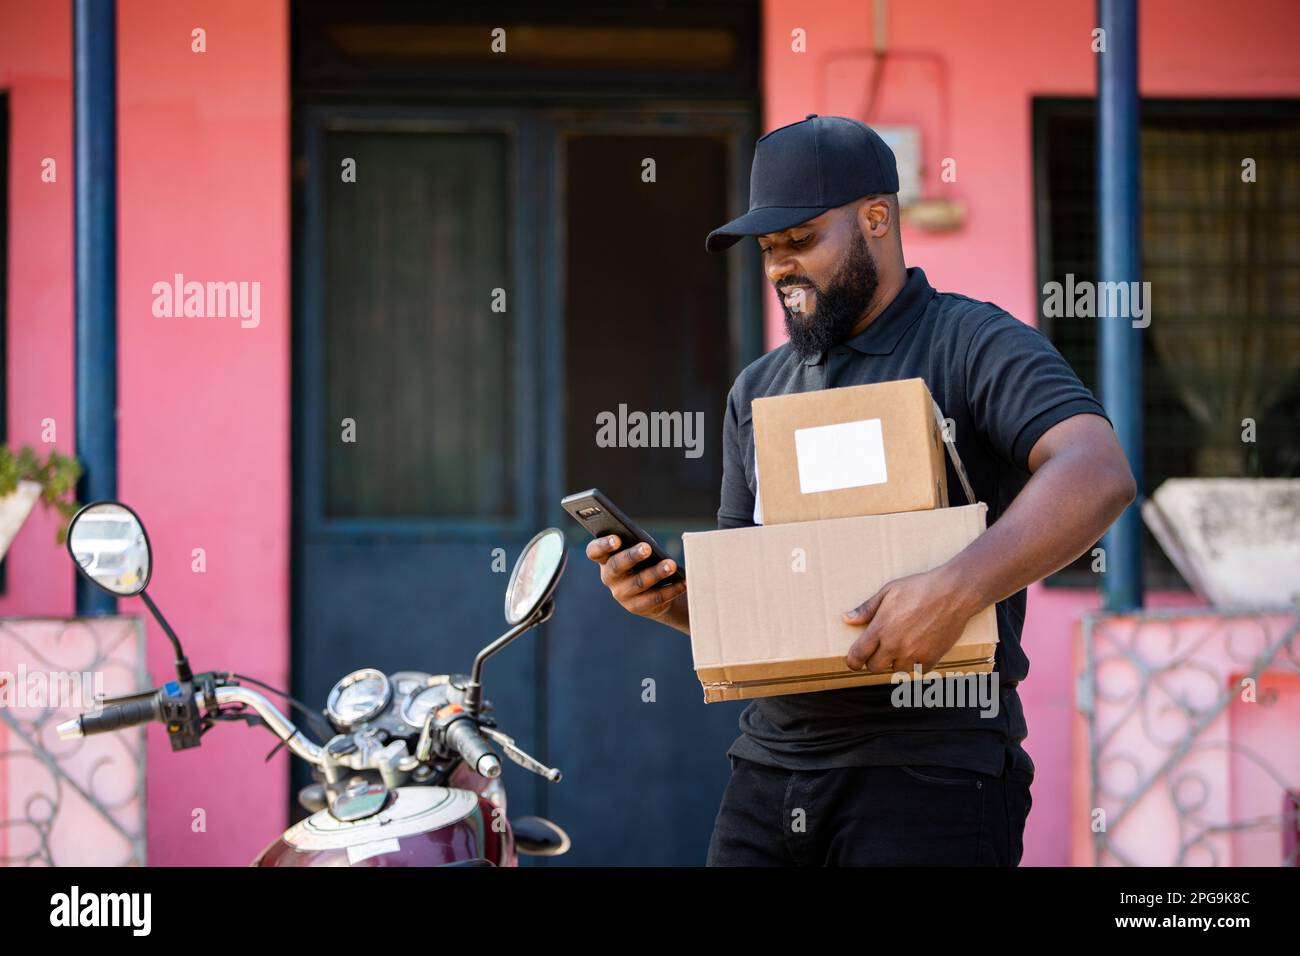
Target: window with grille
415	355
1220	188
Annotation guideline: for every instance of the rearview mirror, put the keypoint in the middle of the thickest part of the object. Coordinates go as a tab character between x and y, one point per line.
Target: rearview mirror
108	544
535	574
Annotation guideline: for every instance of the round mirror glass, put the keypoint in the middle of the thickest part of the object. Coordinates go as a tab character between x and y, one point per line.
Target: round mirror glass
535	574
108	542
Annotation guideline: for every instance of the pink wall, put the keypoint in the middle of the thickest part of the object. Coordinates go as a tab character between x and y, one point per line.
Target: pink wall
204	407
204	174
203	146
35	72
35	64
997	55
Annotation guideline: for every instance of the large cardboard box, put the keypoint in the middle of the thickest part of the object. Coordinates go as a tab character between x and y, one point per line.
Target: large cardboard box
766	602
843	452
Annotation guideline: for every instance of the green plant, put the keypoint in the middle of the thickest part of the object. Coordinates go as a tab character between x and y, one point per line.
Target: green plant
57	476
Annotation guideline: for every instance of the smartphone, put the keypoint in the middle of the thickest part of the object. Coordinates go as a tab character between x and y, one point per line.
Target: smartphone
601	517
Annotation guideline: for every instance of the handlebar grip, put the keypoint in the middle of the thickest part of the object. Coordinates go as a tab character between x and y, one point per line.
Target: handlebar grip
463	736
120	716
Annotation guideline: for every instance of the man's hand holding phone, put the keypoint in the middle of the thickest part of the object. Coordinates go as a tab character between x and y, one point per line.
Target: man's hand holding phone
640	592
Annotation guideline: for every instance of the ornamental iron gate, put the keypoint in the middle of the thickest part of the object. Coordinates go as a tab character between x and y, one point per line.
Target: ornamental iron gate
1191	719
69	802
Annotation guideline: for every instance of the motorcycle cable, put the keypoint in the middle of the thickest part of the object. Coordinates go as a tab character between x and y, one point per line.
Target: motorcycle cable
318	725
240	712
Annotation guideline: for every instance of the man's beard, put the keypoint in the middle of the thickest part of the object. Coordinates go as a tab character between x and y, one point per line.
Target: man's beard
840	306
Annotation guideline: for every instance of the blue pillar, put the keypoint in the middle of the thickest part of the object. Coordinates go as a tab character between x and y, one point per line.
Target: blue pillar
1119	258
95	154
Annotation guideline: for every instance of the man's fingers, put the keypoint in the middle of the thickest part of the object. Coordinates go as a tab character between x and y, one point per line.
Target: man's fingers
881	661
655	599
613	570
869	643
638	591
599	549
644	580
623	562
864	612
861	650
870	654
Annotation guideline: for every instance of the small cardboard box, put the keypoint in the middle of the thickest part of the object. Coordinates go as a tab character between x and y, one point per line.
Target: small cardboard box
766	602
843	452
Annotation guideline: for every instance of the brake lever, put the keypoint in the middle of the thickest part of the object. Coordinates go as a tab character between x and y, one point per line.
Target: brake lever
250	717
124	698
512	751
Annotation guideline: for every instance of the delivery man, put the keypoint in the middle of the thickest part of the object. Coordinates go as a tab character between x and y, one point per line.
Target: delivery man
844	777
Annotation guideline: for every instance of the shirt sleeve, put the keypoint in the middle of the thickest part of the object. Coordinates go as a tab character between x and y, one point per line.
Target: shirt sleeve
1018	386
737	507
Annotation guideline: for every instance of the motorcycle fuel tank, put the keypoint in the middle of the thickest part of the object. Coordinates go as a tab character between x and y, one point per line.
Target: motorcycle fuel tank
422	826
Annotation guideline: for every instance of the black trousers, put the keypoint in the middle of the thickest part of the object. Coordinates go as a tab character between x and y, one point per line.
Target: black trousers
872	816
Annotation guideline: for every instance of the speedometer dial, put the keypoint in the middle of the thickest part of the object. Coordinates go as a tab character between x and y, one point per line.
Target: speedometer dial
416	707
358	697
407	682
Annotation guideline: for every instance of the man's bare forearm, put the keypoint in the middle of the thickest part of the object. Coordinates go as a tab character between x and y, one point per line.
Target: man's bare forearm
1064	508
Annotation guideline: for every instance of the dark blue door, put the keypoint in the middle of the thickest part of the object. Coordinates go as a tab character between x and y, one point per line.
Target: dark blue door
475	287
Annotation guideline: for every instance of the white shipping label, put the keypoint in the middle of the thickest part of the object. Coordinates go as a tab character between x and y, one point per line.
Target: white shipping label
832	457
365	851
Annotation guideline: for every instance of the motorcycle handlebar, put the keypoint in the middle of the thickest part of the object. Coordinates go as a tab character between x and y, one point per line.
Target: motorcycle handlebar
132	712
463	736
277	722
113	717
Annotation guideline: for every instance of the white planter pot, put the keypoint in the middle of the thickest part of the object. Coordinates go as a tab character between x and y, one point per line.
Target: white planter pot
14	509
1235	540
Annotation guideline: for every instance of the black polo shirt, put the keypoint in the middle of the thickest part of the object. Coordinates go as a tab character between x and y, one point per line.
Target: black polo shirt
1003	384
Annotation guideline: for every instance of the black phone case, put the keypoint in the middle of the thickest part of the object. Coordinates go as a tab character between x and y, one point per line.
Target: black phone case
611	520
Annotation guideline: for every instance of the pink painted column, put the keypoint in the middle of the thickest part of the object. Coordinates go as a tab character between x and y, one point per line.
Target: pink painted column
204	192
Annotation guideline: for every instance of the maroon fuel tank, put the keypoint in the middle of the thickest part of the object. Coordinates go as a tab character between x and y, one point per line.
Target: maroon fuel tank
421	826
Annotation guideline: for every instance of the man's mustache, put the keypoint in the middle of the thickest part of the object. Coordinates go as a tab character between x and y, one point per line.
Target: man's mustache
796	280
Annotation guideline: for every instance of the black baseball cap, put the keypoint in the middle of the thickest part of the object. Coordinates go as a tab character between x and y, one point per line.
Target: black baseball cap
806	168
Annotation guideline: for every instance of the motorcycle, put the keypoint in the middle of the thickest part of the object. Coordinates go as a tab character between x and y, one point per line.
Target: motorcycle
407	775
